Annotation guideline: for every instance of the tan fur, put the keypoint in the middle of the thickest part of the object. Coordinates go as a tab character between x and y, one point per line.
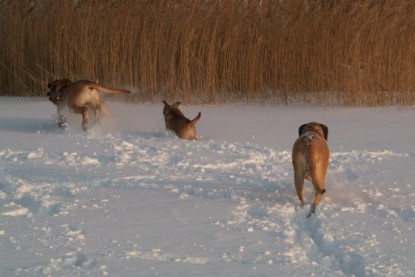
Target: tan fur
79	97
310	159
178	123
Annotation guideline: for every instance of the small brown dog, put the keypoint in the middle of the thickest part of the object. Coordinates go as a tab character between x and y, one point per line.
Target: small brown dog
310	159
178	123
79	97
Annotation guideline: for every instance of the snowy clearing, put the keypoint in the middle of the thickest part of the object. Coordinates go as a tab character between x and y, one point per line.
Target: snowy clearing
126	198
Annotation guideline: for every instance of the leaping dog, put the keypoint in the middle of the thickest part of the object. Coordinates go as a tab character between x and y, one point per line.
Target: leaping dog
80	97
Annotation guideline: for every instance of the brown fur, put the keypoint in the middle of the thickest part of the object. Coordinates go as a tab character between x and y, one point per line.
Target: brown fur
79	97
310	159
178	123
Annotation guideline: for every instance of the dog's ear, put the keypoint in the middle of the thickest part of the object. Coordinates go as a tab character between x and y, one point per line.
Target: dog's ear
65	82
51	84
166	108
177	104
301	130
61	82
325	130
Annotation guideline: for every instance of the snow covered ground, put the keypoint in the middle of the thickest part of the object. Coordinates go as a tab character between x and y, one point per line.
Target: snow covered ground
129	199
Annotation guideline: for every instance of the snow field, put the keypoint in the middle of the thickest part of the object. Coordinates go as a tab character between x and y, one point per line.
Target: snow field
129	199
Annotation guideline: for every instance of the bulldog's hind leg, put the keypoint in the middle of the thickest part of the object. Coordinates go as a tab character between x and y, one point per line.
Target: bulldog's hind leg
319	189
299	184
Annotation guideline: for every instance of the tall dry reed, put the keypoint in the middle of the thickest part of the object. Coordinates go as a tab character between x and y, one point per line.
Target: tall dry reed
327	52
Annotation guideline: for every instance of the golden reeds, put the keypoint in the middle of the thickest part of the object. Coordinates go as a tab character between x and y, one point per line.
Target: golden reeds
328	52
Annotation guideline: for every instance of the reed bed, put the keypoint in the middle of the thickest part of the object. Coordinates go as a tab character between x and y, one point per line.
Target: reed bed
327	52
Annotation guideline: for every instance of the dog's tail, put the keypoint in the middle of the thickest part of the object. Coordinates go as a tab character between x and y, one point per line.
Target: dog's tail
196	119
107	89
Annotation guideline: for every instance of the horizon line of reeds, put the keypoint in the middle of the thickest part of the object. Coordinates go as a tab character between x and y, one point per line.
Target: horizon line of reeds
328	52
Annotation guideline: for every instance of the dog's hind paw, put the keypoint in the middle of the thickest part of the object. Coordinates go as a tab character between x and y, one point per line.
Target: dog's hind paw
312	210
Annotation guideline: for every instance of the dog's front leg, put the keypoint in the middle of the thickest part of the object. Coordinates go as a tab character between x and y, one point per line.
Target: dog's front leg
62	121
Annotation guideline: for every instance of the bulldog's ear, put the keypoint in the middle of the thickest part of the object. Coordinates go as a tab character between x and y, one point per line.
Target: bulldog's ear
165	103
177	104
325	130
301	130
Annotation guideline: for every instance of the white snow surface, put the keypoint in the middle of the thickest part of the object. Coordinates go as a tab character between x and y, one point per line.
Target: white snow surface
127	198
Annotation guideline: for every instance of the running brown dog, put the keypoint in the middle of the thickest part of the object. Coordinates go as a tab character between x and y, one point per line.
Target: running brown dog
178	123
80	97
310	159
